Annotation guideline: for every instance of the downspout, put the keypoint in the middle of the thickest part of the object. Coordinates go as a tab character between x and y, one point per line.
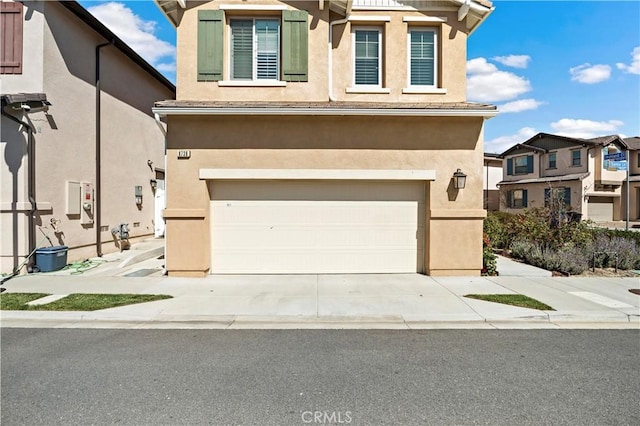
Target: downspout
330	58
31	181
98	194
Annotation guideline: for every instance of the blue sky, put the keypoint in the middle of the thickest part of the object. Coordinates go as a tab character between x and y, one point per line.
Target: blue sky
563	67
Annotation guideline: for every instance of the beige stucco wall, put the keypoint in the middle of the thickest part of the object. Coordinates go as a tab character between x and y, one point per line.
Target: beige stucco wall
130	137
323	142
451	70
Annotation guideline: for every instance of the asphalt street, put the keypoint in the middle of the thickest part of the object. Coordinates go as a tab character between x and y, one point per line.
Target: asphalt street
292	377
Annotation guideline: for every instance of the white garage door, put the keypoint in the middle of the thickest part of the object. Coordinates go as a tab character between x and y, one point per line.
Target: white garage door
601	209
317	226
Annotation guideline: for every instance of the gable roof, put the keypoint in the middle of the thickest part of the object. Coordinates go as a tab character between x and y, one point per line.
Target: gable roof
633	143
534	143
474	12
86	17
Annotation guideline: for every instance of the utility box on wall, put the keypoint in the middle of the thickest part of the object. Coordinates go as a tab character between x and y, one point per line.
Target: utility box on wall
73	191
86	217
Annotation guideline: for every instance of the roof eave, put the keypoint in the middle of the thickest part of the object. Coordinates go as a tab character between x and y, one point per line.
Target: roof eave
404	112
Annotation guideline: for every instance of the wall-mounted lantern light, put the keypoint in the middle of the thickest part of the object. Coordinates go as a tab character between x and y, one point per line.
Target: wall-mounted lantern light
153	183
459	179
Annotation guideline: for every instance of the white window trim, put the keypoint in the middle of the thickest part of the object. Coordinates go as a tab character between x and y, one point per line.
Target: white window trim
254	69
251	7
424	89
365	88
252	83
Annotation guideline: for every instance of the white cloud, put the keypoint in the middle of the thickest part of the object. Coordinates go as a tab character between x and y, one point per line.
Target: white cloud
520	105
515	61
486	83
502	143
136	32
579	128
166	67
590	74
480	66
634	67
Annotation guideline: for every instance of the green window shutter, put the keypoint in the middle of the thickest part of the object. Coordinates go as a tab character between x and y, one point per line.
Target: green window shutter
509	166
529	163
295	45
524	198
210	34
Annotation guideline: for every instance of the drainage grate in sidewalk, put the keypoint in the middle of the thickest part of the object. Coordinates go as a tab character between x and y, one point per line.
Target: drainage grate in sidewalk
142	272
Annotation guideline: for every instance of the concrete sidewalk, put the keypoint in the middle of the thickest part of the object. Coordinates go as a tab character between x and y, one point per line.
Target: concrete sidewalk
401	301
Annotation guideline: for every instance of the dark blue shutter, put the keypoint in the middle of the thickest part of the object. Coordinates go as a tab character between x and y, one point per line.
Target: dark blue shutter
547	197
524	198
509	198
529	163
509	166
567	197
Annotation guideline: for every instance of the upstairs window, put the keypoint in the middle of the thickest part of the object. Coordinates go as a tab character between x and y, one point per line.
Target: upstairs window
552	160
523	165
576	157
267	50
11	37
422	57
367	57
255	53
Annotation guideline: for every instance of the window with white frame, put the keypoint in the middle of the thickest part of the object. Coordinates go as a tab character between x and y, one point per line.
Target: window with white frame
367	57
552	160
255	53
422	57
576	158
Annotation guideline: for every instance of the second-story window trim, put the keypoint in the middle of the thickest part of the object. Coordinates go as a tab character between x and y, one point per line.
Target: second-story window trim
422	58
553	160
367	58
254	46
576	157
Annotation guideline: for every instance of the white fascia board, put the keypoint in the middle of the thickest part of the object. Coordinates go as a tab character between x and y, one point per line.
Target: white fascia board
315	174
369	18
182	3
164	111
424	19
252	7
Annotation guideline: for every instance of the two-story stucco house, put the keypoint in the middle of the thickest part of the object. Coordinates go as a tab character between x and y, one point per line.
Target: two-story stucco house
587	175
323	137
80	148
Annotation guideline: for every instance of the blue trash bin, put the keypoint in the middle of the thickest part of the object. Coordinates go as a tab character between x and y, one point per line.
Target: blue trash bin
51	258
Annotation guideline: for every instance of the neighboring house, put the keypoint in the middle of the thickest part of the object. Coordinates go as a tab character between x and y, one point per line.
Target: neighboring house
491	176
323	137
585	175
54	181
633	144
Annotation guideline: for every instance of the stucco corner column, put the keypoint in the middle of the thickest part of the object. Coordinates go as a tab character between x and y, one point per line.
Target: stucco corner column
187	236
454	242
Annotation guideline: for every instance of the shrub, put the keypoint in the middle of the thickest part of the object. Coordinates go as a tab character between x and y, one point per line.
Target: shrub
605	246
489	265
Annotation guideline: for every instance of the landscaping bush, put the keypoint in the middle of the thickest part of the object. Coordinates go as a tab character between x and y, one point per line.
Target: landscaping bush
607	244
489	265
539	238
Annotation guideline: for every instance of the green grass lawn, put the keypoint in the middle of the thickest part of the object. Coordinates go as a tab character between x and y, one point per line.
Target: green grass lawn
75	302
18	301
512	299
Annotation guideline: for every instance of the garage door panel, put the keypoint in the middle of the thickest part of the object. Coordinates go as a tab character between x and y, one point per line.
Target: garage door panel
600	209
379	227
